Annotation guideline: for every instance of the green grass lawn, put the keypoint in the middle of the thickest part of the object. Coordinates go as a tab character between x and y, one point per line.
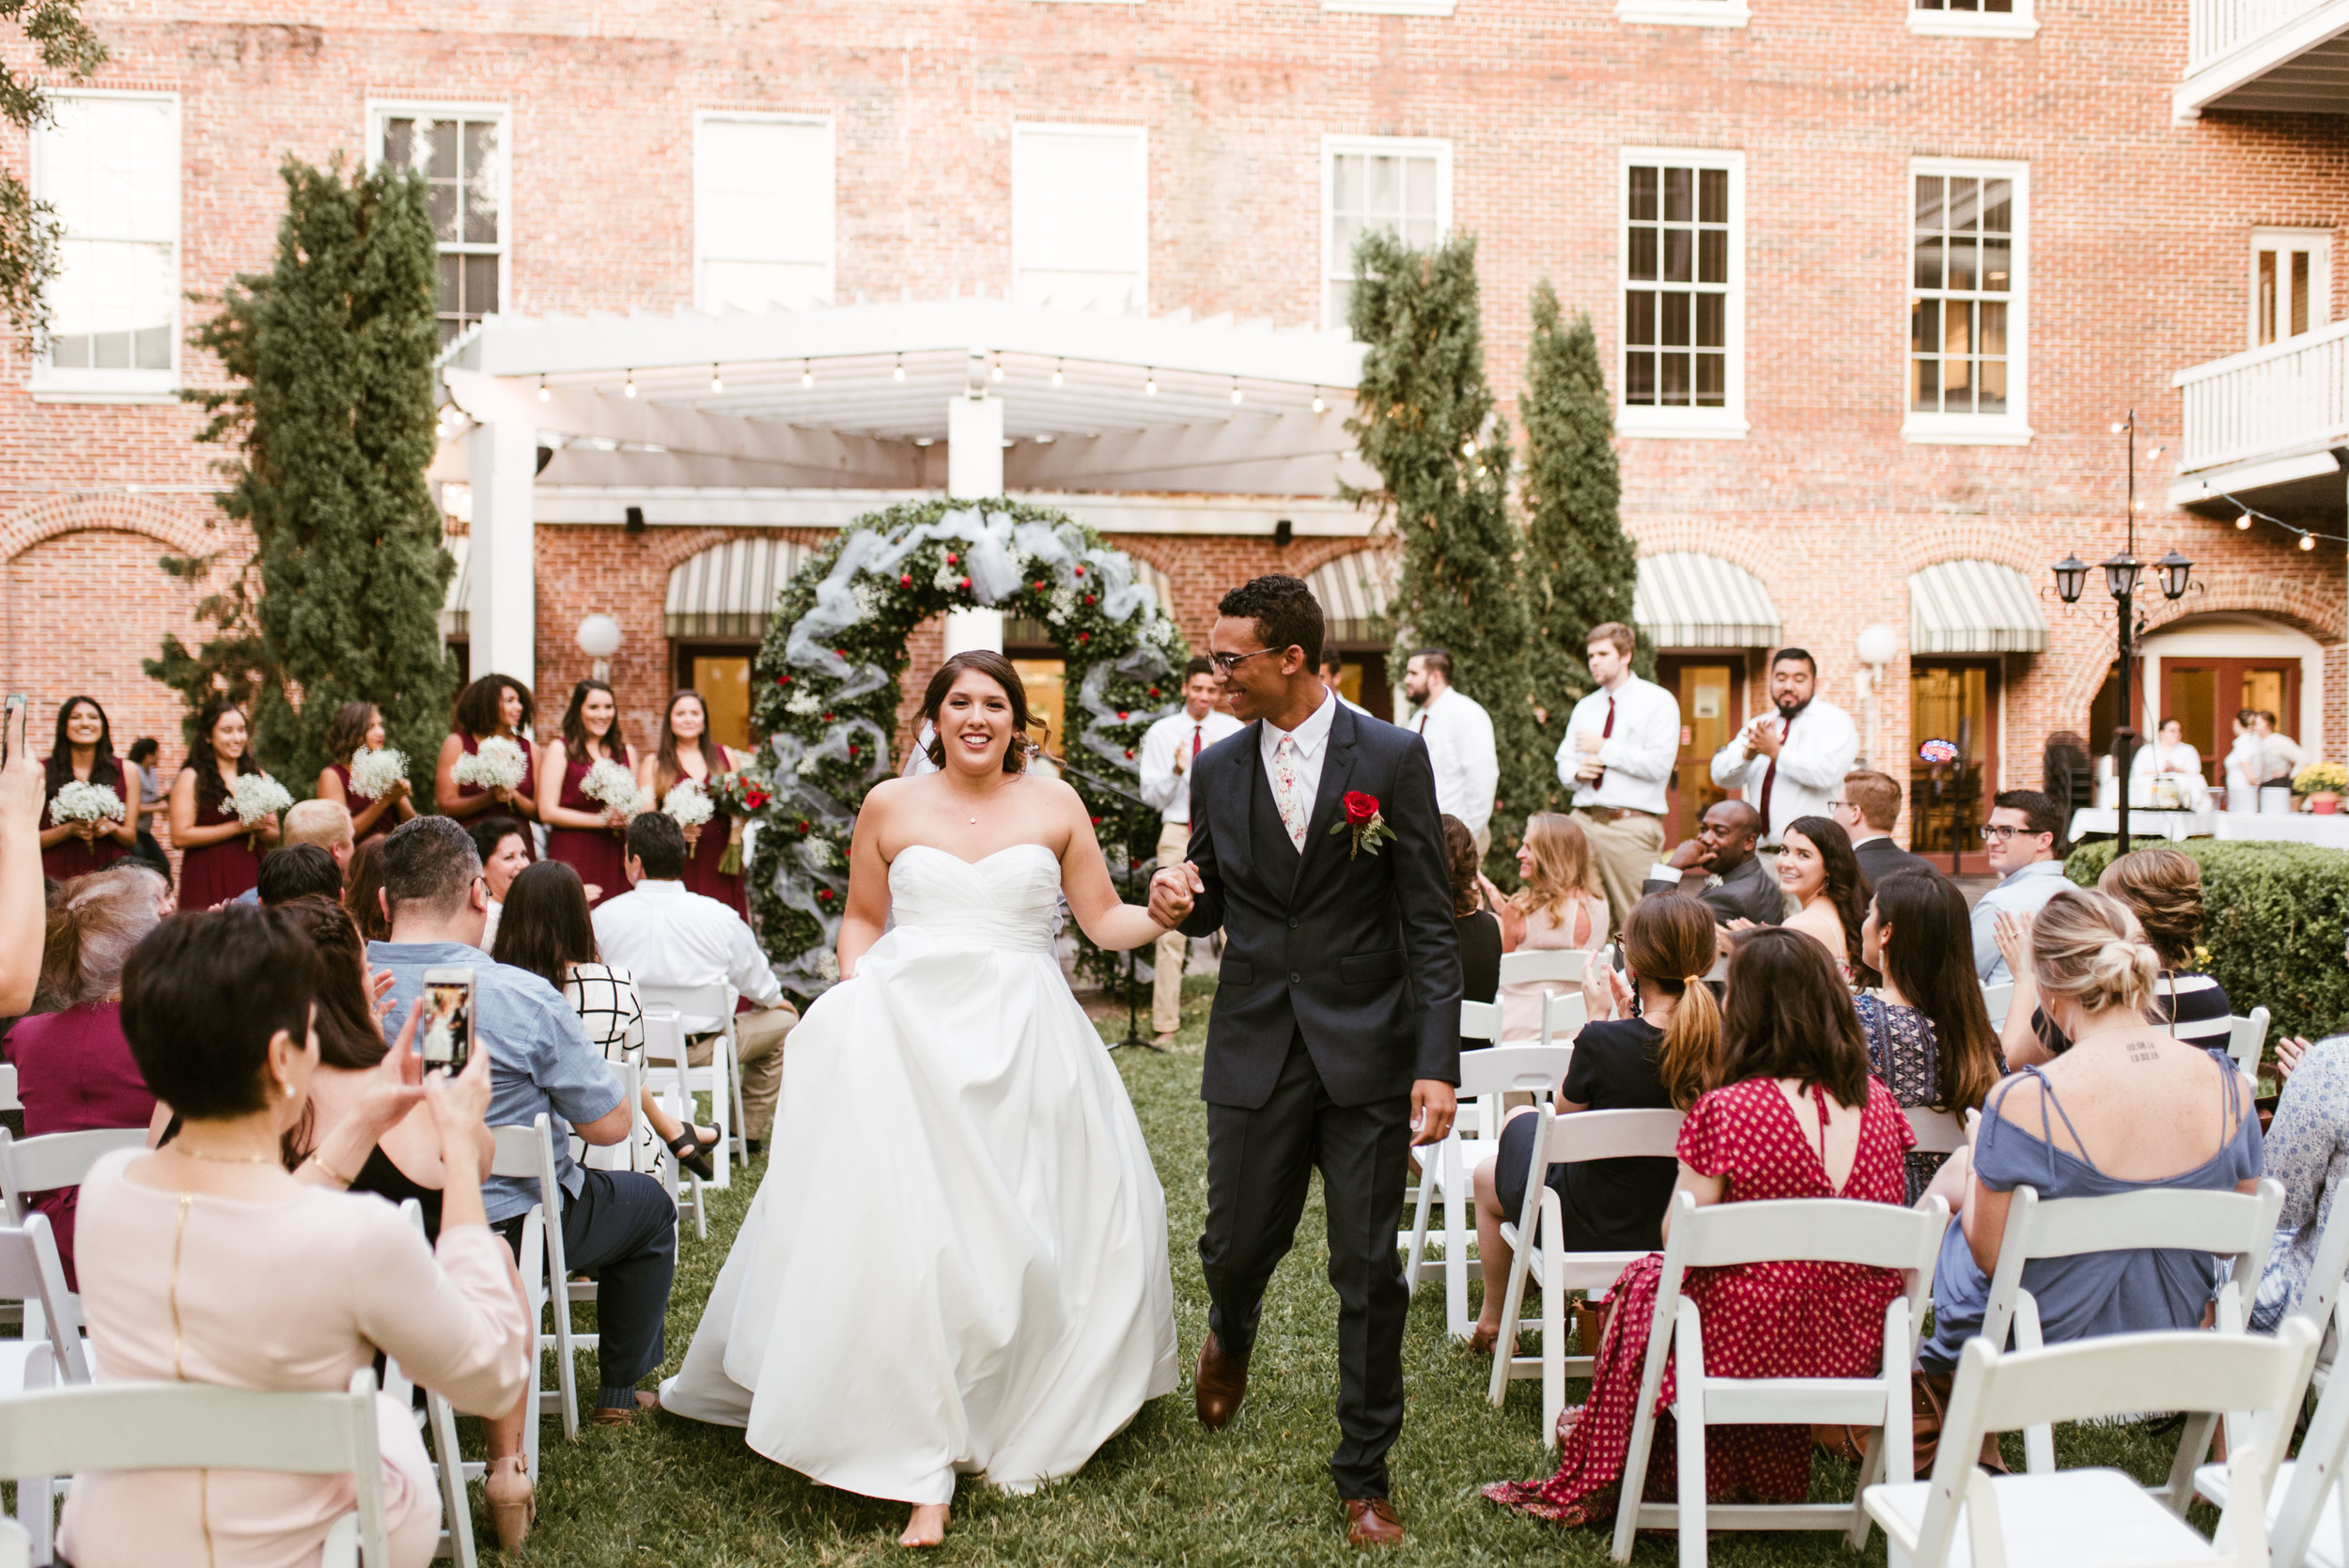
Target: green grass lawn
673	1491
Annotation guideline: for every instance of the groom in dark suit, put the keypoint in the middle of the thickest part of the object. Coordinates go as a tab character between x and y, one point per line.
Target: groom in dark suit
1316	845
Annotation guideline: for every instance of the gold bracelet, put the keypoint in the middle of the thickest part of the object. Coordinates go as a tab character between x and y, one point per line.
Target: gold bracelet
332	1174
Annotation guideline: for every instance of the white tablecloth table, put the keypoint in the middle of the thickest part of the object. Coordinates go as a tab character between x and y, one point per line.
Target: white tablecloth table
2327	832
2145	822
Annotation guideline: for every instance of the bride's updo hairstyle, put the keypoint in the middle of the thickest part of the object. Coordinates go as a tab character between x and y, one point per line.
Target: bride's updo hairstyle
2085	948
995	667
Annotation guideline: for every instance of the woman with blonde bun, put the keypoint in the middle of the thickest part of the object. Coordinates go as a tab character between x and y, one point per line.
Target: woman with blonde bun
2128	1107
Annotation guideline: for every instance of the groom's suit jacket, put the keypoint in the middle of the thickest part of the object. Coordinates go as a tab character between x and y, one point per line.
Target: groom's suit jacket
1357	954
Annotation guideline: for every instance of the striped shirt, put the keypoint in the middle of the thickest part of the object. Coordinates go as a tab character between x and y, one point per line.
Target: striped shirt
2192	1007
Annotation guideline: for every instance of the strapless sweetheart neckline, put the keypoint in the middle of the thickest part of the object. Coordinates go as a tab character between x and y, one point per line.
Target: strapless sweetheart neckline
981	861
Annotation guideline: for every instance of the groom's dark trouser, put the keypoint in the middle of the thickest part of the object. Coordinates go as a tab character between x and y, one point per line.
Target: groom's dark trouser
1258	1164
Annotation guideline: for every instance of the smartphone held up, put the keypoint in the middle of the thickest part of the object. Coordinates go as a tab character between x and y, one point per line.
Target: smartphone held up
445	1038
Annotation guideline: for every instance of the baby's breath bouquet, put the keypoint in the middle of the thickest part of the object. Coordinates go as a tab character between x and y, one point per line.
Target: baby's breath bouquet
688	803
255	797
612	786
85	802
374	772
496	764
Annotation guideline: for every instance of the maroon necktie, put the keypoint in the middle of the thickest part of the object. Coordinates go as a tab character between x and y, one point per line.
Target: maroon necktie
1608	734
1197	732
1769	778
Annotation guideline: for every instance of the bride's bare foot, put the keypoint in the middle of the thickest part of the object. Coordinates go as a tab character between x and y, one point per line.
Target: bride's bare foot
926	1527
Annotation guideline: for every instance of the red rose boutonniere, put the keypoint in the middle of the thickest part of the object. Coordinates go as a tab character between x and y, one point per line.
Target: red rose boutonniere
1364	821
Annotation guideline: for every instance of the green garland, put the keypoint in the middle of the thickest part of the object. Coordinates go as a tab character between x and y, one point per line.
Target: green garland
827	694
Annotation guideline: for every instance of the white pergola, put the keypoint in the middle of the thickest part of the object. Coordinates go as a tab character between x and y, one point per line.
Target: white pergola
806	418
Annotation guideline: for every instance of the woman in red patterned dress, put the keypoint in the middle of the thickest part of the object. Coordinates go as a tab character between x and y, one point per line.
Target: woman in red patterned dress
357	727
1798	1117
494	705
584	833
688	752
83	751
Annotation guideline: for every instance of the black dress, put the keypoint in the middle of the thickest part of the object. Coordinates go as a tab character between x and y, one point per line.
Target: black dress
1480	960
387	1181
1610	1205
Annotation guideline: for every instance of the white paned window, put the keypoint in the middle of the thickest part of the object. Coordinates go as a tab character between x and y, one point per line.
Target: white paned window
1371	184
462	152
1682	293
2292	283
762	212
1973	18
109	167
1966	302
1081	216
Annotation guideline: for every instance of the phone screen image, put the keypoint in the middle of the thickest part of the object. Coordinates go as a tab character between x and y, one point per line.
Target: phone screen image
447	1032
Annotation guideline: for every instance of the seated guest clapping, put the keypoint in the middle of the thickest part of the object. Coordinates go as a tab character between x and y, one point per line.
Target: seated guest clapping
1659	1058
617	1224
204	1261
2128	1107
73	1067
664	934
1798	1117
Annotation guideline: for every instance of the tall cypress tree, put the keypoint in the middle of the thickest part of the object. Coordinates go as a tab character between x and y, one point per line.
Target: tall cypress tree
331	351
1581	563
1424	420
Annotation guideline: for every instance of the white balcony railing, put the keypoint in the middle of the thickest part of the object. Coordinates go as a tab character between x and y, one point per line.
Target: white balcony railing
2216	28
2288	397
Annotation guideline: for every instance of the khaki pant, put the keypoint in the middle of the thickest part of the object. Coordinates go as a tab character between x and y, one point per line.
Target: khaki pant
1172	949
1621	852
759	1048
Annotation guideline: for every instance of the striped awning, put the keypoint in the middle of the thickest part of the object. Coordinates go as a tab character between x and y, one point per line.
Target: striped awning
1973	606
1354	591
1018	631
1688	600
729	590
456	604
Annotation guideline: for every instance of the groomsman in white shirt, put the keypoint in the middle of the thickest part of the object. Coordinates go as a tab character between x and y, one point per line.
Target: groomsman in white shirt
1167	750
1332	671
1617	758
1791	760
1459	736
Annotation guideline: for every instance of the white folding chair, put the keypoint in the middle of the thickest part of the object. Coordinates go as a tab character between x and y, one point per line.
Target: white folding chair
1561	967
16	1547
46	1163
2095	1518
2305	1515
31	1273
2247	1040
664	1047
1996	1000
709	1010
438	1419
1725	1236
2321	1293
527	1153
1567	1140
7	1088
1937	1131
2239	1225
177	1426
1448	1169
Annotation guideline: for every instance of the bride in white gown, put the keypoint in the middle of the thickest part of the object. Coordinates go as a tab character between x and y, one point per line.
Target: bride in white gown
956	1262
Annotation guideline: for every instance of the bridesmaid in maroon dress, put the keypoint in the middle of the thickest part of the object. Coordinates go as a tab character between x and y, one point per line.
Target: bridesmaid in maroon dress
359	726
223	855
494	705
688	752
583	832
85	750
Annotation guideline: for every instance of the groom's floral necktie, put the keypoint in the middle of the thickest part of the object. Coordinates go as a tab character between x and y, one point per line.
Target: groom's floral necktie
1288	790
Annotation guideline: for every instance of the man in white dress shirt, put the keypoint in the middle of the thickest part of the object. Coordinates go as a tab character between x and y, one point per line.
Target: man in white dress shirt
1332	671
664	935
1459	736
1791	760
1168	748
1617	758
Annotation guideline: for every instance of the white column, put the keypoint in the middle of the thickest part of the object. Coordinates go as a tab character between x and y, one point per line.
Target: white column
504	456
975	470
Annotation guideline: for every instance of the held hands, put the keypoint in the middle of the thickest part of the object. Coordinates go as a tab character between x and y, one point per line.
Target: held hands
1173	893
1434	1103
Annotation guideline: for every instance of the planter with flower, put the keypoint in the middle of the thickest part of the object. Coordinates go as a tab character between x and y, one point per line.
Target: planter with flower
2320	785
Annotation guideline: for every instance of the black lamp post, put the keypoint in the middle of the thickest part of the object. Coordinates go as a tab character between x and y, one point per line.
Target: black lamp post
2122	573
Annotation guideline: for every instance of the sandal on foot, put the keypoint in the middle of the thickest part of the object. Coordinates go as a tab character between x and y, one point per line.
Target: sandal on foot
513	1504
692	1150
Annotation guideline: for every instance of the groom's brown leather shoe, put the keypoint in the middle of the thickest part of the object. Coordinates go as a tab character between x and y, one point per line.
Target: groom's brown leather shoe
1371	1522
1220	1383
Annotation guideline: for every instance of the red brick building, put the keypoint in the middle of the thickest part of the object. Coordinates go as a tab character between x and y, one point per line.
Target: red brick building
1874	283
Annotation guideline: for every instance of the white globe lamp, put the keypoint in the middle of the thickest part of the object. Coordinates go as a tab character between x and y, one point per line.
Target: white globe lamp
599	639
1878	645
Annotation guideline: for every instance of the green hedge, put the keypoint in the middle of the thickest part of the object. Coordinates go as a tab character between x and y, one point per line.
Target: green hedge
2273	921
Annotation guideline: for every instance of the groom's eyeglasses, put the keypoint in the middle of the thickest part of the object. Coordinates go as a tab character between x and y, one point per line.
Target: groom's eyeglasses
1227	662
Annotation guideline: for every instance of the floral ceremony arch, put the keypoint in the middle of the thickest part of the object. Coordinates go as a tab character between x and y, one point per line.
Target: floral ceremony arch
826	691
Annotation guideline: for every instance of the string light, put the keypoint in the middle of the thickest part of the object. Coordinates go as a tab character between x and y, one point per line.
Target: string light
901	369
1236	394
2307	541
2244	523
1318	405
1056	372
998	370
717	382
1149	382
630	388
807	374
544	396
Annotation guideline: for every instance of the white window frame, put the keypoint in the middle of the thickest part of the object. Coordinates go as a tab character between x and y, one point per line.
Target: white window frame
52	385
2013	427
1728	422
831	191
1683	13
2020	23
2318	242
1139	136
381	109
1333	265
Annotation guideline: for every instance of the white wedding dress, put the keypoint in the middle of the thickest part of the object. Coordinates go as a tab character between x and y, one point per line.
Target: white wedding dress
956	1262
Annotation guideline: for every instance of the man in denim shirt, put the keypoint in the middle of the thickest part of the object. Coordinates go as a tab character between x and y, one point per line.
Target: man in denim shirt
618	1225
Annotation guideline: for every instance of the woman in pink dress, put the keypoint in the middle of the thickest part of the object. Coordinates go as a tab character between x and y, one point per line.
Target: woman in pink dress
83	751
359	727
583	832
1798	1117
1559	906
207	1261
688	752
494	705
222	856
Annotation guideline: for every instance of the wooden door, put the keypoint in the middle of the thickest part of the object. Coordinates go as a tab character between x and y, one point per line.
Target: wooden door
722	676
1711	688
2204	694
1952	705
